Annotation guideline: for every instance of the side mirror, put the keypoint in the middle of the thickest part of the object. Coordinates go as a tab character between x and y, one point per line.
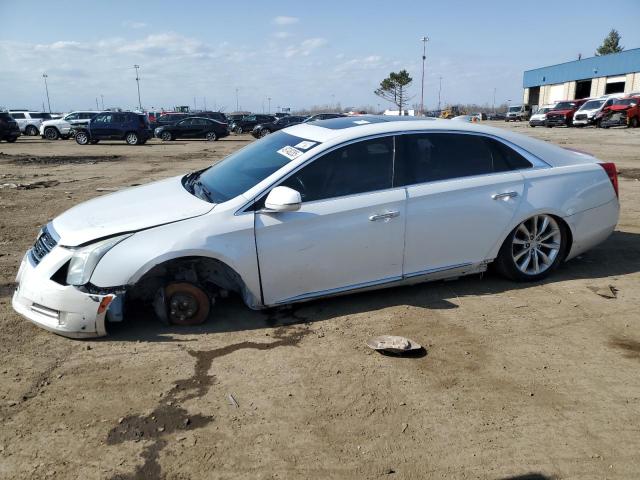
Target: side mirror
283	199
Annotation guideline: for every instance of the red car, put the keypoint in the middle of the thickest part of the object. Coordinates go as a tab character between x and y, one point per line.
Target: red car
625	112
562	113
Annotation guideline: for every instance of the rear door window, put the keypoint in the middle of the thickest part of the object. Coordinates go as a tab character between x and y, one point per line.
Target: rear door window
361	167
18	116
431	157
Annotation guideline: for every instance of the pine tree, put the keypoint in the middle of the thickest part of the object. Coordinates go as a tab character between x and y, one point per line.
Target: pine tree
611	44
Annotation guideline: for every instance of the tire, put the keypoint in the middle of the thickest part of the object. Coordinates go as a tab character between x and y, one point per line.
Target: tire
11	139
51	133
186	303
264	132
166	136
82	138
238	130
31	131
541	238
633	123
211	136
132	138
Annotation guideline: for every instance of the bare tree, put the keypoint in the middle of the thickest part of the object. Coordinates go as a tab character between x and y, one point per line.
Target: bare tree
394	89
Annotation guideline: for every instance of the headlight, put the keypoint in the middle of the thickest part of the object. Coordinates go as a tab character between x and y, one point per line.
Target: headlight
84	259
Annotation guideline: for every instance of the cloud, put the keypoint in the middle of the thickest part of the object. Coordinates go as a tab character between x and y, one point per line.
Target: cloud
282	35
284	20
305	48
132	24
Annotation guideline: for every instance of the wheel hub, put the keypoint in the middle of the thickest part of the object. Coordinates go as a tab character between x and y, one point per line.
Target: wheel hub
182	306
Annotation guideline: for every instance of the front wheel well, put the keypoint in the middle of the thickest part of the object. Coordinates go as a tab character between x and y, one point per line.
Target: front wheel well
213	275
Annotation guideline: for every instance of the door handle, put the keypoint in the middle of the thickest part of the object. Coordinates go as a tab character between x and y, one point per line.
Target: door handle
383	216
505	195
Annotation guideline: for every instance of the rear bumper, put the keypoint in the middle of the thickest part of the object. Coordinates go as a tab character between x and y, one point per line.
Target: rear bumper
61	309
593	226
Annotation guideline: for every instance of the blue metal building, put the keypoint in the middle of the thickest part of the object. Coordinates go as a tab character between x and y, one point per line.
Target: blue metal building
588	77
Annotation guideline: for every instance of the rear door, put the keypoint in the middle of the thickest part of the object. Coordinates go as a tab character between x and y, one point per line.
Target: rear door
348	233
463	191
101	126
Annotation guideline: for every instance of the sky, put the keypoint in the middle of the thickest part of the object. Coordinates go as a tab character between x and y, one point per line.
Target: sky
298	53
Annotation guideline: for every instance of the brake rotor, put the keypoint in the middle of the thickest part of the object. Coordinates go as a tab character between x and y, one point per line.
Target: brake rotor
186	304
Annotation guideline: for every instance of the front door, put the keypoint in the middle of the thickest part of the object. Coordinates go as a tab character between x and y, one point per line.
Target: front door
463	191
348	233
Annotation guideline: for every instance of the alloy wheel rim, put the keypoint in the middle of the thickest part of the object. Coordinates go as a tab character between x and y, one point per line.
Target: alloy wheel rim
536	244
81	138
211	136
50	134
166	136
132	138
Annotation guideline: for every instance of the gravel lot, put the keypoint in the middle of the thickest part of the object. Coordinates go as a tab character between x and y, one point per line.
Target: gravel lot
537	379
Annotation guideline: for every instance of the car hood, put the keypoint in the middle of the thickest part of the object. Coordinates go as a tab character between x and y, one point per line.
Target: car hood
618	108
559	112
129	210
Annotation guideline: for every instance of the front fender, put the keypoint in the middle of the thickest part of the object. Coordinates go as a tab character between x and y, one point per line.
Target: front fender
227	238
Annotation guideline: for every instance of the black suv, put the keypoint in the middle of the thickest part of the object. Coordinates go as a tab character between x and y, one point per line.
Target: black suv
128	126
173	118
247	122
9	129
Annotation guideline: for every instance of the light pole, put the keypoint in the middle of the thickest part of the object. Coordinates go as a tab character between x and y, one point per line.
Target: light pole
138	81
424	57
46	87
269	98
439	92
237	102
494	100
102	100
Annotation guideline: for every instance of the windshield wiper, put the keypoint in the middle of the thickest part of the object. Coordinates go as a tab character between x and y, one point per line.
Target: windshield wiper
203	190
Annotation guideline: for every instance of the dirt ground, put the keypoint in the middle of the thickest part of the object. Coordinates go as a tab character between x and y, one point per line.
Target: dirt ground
534	381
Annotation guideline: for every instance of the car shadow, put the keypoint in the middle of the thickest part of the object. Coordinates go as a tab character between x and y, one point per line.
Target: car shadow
619	255
530	476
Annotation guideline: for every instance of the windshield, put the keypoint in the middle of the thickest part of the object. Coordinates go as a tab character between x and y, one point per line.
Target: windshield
543	110
564	106
514	109
247	167
592	105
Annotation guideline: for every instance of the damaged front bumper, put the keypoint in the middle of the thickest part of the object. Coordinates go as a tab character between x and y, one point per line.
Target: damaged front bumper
61	309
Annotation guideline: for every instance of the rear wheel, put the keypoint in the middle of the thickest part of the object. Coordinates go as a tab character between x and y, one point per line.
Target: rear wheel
51	133
238	130
82	138
634	122
264	132
211	136
186	303
533	249
31	131
132	138
166	136
11	139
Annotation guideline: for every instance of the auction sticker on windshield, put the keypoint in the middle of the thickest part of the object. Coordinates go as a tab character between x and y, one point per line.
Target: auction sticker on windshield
290	152
305	145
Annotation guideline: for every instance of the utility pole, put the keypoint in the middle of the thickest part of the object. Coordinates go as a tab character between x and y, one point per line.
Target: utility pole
102	99
269	98
97	108
237	102
195	107
439	92
494	100
424	41
46	87
138	81
205	103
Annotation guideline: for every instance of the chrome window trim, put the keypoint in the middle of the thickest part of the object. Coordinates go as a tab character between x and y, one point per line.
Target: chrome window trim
536	162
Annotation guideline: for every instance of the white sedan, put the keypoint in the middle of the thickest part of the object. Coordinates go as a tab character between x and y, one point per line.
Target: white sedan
315	210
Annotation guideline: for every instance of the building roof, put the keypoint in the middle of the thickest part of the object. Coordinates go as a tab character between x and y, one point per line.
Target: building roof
621	63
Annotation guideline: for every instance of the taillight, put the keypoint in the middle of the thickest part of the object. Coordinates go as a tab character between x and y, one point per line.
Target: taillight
612	173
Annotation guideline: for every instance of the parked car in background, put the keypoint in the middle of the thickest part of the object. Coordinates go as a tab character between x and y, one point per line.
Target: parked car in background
172	118
62	128
518	113
562	113
9	129
317	210
324	116
496	116
264	129
480	116
131	127
280	114
624	112
193	127
29	122
234	117
246	123
539	118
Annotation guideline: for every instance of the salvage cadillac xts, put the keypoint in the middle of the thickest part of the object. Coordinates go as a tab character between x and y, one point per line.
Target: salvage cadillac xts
320	209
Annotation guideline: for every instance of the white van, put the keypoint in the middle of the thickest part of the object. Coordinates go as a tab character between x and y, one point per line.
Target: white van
539	118
518	112
587	114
